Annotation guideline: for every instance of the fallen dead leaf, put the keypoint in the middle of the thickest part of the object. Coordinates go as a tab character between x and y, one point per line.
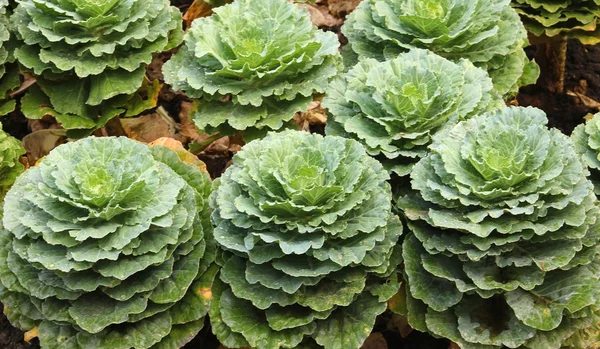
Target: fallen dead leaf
341	8
314	115
218	147
28	81
47	122
321	17
375	341
150	127
453	346
39	143
186	125
177	147
198	9
587	101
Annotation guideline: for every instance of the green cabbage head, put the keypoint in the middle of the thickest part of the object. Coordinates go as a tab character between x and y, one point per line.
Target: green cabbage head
489	33
587	143
11	151
308	244
395	107
504	247
254	64
89	56
108	244
578	19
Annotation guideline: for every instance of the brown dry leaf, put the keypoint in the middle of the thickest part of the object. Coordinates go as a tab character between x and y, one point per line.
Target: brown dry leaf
186	126
47	122
314	115
178	148
198	9
585	100
321	17
150	127
218	147
453	346
39	143
375	341
28	81
341	8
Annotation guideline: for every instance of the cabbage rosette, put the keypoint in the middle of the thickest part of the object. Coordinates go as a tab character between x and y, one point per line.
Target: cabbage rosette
578	19
308	244
489	33
254	64
504	245
90	56
108	244
395	107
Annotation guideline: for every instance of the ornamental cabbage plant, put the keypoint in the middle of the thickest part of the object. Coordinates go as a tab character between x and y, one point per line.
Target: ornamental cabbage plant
89	56
489	33
587	143
108	244
578	19
308	244
254	64
11	151
395	107
504	247
9	74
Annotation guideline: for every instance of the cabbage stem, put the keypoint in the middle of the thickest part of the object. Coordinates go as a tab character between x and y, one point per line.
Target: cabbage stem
552	58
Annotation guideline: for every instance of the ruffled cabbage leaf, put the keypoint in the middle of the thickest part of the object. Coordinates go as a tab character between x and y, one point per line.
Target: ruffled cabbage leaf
395	107
90	56
504	247
9	72
489	33
253	64
107	243
11	151
577	19
308	244
587	144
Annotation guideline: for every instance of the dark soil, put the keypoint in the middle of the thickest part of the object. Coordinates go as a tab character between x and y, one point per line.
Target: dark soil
582	78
